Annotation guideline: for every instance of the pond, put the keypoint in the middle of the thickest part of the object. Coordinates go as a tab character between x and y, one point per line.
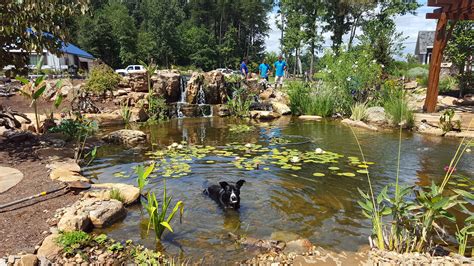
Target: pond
290	188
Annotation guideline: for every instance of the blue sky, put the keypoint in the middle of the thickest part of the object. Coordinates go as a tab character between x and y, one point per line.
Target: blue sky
408	24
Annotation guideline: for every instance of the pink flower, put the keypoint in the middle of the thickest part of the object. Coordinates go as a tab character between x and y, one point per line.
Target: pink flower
449	169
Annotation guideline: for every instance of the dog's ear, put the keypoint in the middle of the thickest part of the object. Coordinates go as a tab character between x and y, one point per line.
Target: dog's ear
224	185
240	183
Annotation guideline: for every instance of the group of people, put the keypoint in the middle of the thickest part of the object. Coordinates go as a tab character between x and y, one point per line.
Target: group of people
264	70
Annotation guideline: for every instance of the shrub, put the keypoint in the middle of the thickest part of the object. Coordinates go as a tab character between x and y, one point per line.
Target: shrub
239	103
351	75
70	241
359	112
447	83
102	78
417	72
446	121
157	108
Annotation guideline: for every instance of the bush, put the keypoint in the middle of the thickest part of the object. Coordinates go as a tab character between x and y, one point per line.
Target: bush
239	103
102	78
417	72
70	241
396	105
359	112
351	75
308	101
157	108
447	83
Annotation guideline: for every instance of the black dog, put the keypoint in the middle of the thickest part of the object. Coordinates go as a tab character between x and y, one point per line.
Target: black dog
227	195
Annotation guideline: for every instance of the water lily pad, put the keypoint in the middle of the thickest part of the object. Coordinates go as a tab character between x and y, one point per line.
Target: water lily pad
210	162
333	168
363	166
266	168
296	168
318	174
348	174
362	171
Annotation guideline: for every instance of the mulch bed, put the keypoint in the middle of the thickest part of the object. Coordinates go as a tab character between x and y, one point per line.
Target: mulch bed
23	226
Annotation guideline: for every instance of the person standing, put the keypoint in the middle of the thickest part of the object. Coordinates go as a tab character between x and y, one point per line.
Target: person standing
280	68
244	69
264	70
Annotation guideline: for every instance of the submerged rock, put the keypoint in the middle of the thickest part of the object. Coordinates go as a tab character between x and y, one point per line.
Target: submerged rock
126	137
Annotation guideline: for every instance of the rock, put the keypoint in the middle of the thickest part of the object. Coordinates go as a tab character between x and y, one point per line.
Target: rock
221	110
301	260
447	100
74	220
462	134
411	85
19	136
138	115
298	246
167	85
106	119
359	124
280	108
68	164
28	260
310	117
120	92
49	248
213	84
376	115
65	175
129	193
104	213
264	115
138	82
427	129
126	137
284	236
9	177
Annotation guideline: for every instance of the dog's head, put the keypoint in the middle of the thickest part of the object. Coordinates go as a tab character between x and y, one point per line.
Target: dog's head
231	194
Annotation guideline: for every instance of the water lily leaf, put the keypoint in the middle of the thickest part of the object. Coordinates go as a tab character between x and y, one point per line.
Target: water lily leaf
362	171
334	168
348	174
318	174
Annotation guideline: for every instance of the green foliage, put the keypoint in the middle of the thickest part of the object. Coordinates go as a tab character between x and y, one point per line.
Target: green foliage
447	83
125	112
351	76
144	256
310	101
157	108
142	175
446	121
21	20
458	51
396	105
102	78
359	111
157	217
116	195
241	128
101	239
117	246
71	241
239	103
462	235
417	72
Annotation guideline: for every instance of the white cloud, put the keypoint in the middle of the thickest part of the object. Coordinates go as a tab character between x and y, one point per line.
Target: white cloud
408	24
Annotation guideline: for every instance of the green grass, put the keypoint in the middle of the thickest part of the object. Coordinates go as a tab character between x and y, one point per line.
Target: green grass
308	101
71	241
359	112
116	195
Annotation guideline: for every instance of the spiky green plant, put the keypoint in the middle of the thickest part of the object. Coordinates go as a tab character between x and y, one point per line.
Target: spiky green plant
142	175
359	111
157	217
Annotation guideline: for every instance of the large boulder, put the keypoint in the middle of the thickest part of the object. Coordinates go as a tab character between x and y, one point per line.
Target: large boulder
49	248
359	124
193	86
167	85
126	137
280	108
376	115
138	82
105	213
129	193
264	115
74	220
212	83
66	171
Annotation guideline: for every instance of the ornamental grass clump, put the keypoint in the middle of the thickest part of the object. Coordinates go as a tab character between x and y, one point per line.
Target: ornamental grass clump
359	112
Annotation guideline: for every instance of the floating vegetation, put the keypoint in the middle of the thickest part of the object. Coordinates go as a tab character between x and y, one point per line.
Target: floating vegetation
242	128
278	140
176	159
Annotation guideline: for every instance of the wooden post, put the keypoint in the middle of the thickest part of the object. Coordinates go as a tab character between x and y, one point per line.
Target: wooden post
435	65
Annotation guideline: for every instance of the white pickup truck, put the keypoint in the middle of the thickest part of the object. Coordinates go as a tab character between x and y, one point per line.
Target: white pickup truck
131	69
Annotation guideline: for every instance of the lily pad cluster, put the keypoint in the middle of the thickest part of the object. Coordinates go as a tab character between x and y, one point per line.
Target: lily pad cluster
176	160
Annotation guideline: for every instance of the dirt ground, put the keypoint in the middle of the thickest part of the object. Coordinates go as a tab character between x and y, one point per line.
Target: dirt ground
23	226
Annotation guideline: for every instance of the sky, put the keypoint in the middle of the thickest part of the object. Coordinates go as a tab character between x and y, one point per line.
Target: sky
408	24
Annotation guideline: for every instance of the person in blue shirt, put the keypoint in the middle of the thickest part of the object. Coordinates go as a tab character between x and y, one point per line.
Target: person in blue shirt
280	67
264	70
244	69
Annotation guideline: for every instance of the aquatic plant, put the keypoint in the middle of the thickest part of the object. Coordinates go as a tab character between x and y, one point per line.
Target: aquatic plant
157	217
359	111
101	239
396	106
446	121
241	128
116	195
70	241
142	175
239	103
462	235
125	112
310	101
414	221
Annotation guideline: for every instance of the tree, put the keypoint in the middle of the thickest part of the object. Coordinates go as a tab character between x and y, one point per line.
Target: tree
34	25
460	51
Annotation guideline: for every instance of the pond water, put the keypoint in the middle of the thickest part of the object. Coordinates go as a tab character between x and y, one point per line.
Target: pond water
283	196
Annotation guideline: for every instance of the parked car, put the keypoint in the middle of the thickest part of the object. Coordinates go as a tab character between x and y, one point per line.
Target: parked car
131	70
